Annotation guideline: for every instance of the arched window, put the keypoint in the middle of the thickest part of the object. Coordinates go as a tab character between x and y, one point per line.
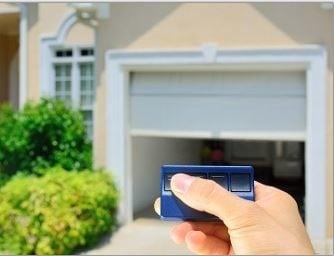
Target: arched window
67	71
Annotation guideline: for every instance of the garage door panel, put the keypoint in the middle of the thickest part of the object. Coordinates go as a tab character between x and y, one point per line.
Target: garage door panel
217	113
243	108
219	83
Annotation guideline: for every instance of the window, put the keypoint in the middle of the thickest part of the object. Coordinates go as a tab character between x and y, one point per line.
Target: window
87	94
63	53
63	82
86	52
86	84
74	80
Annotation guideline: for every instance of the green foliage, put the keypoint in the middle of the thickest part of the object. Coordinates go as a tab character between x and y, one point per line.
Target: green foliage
46	210
57	213
41	136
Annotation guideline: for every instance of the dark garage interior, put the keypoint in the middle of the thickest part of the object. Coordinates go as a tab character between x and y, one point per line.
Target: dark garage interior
277	163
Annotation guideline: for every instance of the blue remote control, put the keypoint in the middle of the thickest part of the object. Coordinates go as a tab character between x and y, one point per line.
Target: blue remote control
237	179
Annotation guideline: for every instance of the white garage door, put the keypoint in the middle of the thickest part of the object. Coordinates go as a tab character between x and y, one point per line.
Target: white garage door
218	104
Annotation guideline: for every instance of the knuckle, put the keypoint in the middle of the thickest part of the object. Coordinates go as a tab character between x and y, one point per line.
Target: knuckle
293	202
249	215
209	193
289	200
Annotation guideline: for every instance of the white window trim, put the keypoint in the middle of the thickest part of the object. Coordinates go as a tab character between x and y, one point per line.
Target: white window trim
312	59
46	47
48	44
75	60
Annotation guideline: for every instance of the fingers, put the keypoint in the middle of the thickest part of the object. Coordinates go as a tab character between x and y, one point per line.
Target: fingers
206	195
200	243
179	232
157	206
261	190
200	237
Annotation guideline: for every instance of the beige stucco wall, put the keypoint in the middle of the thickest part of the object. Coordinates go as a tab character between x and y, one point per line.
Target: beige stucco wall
174	25
80	34
45	20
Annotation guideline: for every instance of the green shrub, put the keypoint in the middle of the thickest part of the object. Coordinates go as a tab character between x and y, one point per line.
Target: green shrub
57	213
43	135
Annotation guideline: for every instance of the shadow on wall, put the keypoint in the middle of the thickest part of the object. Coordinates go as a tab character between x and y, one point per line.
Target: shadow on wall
9	28
303	29
33	15
137	18
142	17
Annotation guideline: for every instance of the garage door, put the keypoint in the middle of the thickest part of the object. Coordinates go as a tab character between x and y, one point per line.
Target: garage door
218	104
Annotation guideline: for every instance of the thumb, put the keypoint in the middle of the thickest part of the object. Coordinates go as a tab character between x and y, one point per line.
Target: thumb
207	195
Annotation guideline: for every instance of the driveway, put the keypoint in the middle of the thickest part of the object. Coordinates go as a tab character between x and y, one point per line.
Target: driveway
143	236
148	235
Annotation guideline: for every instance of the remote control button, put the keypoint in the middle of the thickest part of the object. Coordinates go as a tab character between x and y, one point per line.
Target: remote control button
200	175
167	180
240	182
221	179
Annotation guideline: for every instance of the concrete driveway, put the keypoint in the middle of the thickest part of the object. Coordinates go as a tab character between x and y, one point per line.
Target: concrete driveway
148	235
144	236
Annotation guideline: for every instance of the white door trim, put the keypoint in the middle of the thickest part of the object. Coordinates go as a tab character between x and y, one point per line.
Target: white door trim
23	55
312	59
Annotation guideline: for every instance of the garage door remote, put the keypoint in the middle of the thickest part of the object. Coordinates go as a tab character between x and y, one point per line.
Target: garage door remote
237	179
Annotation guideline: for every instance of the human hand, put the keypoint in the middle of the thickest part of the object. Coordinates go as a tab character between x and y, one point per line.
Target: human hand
270	225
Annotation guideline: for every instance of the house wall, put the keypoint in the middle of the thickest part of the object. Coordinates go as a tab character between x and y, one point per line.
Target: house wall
44	20
14	81
189	25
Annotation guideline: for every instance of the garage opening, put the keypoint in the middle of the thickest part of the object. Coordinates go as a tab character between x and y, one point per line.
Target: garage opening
242	94
277	163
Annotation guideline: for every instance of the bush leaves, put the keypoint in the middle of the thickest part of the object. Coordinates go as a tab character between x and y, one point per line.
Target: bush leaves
43	135
57	213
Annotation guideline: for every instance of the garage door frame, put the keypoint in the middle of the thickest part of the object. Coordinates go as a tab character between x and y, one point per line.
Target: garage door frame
311	58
